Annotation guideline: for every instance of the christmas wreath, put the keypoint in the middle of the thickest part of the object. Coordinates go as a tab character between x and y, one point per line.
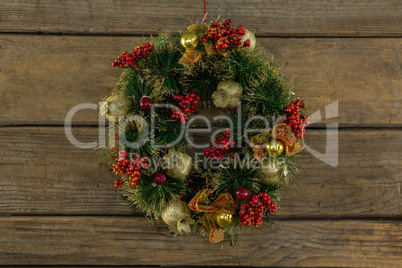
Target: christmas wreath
235	181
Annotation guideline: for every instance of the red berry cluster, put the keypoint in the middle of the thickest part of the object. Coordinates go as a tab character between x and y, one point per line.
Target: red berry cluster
130	59
141	162
294	119
224	36
118	183
224	143
187	103
126	169
247	43
123	155
114	151
251	213
240	29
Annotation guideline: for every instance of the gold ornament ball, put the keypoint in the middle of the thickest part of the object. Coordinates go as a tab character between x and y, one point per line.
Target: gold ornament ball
227	94
224	219
269	173
189	40
177	215
115	107
275	148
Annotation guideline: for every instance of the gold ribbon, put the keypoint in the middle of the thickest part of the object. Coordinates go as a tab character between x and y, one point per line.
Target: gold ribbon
190	57
258	143
224	203
197	28
284	132
281	132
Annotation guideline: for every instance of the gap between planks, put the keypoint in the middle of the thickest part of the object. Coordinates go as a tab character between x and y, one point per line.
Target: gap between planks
104	241
305	17
39	33
342	127
273	218
363	75
76	181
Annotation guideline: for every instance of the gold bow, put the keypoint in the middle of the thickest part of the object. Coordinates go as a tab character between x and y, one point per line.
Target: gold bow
281	132
284	132
224	203
198	29
190	57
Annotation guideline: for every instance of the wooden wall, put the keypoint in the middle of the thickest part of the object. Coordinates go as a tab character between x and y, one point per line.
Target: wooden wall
58	205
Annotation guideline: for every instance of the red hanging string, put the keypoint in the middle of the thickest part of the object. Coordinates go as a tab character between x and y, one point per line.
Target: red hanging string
205	11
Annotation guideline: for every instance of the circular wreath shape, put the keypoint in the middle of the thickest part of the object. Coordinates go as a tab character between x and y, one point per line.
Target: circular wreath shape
235	180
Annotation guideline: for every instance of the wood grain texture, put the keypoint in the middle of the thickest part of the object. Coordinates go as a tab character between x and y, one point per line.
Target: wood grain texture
267	18
133	241
59	72
42	173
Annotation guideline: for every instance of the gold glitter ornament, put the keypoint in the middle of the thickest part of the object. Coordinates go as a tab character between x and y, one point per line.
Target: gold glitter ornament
275	148
224	219
227	94
115	107
269	173
248	35
178	165
189	40
177	215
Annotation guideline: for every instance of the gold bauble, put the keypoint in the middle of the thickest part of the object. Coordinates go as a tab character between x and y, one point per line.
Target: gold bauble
227	94
177	215
115	107
224	219
269	173
275	148
177	165
189	40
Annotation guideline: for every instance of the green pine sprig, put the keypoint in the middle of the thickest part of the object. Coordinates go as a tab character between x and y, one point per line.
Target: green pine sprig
151	197
232	178
270	97
247	67
162	70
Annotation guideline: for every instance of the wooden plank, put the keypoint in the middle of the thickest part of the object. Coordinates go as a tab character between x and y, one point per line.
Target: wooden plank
275	18
132	241
59	72
42	173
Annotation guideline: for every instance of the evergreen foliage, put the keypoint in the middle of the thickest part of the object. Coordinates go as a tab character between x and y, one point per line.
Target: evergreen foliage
160	76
